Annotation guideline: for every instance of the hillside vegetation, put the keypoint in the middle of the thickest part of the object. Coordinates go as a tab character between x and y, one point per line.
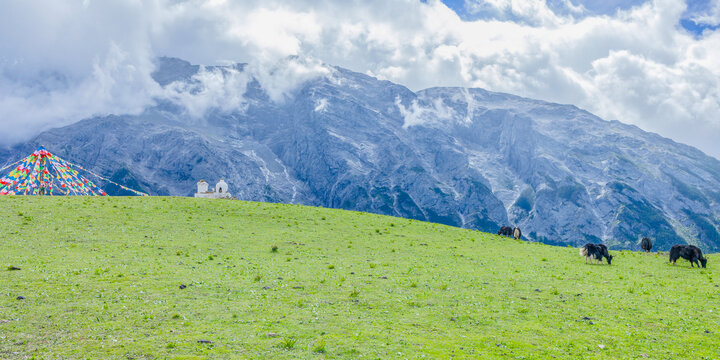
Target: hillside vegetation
101	278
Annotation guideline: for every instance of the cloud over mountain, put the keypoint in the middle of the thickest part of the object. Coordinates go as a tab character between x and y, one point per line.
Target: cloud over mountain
68	60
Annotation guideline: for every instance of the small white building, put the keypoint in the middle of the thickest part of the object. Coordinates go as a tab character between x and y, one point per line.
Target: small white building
221	190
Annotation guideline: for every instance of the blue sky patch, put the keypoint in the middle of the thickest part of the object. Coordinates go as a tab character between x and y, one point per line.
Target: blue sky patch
477	11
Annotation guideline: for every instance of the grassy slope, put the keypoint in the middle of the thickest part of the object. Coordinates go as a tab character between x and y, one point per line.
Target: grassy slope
101	279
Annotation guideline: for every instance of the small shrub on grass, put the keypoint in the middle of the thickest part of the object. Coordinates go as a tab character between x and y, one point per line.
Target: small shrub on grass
288	344
372	266
354	293
413	285
331	267
211	257
274	248
171	345
176	316
257	278
319	347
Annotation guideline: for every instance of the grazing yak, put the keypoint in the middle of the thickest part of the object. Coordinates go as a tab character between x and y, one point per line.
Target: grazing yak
517	234
688	252
646	244
505	230
595	252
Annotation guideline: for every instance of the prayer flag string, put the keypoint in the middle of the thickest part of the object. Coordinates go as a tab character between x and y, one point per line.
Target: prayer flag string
43	173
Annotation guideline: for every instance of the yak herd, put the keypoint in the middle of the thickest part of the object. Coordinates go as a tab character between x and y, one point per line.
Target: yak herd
596	252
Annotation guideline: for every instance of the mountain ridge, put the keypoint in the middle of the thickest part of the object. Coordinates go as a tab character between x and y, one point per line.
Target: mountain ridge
464	157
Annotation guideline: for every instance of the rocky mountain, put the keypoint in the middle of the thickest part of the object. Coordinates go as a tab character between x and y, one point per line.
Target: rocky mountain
463	157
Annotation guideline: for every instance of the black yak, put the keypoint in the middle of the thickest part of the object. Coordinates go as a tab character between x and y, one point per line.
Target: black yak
517	234
505	230
646	244
688	252
595	252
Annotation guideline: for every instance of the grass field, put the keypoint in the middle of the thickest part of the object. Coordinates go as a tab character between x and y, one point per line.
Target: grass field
101	278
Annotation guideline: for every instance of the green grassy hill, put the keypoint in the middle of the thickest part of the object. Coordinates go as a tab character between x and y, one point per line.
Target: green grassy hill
101	278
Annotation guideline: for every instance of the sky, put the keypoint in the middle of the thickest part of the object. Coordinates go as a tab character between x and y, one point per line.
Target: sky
650	63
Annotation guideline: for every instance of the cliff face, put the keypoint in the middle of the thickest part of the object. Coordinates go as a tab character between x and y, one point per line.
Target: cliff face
463	157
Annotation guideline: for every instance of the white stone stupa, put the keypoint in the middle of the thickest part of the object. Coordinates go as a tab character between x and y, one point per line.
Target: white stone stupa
221	190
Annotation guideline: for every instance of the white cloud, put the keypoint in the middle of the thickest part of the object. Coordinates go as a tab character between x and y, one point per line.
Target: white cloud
709	17
66	60
60	63
423	113
222	89
280	78
114	85
533	12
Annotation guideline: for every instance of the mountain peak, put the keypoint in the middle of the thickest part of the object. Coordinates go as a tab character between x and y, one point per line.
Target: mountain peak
465	157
